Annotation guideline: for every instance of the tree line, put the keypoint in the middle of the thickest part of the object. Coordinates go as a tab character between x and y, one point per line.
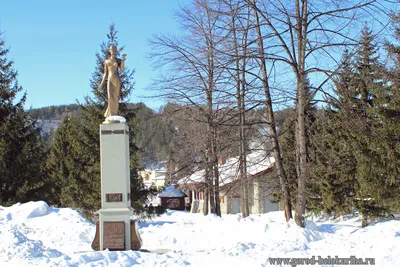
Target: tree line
64	171
338	149
54	112
302	79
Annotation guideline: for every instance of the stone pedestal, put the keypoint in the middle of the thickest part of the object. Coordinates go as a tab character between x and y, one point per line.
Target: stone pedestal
114	229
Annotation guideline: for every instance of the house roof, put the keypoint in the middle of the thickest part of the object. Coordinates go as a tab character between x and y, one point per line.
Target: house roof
257	162
171	191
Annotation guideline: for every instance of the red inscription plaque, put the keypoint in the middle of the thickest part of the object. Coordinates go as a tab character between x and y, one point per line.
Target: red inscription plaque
114	235
104	132
117	197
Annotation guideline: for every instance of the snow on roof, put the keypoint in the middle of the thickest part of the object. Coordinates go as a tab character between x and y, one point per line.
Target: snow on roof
256	162
171	191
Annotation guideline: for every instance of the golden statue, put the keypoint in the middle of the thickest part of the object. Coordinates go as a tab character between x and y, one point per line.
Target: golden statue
111	66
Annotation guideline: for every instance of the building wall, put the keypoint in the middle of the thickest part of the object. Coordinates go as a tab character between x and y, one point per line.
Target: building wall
198	204
258	196
223	203
156	177
259	189
265	186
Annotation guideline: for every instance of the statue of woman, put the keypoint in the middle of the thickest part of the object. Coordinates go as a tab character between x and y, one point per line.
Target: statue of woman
111	66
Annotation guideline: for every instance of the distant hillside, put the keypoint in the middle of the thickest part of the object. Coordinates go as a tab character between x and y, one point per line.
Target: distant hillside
53	112
157	134
49	118
153	136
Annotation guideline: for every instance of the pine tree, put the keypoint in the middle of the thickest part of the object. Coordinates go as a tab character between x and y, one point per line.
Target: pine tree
21	146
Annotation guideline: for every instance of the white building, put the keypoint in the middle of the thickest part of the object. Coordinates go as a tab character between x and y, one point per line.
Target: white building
155	177
260	170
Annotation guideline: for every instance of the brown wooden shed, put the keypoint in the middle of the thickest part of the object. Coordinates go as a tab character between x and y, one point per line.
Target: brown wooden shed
172	198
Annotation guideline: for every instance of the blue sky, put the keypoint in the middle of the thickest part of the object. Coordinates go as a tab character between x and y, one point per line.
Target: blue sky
53	43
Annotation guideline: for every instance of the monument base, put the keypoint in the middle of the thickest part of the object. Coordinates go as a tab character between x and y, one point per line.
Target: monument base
115	229
135	239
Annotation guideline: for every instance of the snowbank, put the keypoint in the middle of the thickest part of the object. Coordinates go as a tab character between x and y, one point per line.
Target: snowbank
34	234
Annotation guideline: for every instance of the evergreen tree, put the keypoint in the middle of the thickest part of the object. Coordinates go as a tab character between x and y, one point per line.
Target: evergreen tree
154	137
61	165
332	180
367	143
334	171
21	146
358	163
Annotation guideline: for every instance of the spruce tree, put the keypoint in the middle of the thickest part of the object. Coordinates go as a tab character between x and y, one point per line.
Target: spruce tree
332	181
22	153
333	174
367	124
358	163
61	165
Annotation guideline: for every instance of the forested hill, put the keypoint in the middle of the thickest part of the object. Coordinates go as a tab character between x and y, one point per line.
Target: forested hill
154	133
168	134
53	112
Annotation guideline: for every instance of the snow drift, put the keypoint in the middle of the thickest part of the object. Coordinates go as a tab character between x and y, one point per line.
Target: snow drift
34	234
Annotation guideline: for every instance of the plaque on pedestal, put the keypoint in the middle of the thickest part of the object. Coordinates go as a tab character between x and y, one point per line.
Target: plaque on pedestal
114	235
136	240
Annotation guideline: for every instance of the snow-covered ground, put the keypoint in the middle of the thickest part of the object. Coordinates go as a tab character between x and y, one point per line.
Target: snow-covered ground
33	234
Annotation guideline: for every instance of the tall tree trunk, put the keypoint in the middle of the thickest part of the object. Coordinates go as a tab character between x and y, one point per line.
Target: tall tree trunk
207	178
206	199
210	164
243	141
301	151
285	193
240	93
301	139
216	175
213	164
243	167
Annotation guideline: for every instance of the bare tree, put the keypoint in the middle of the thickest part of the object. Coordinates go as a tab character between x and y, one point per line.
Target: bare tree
235	68
194	79
285	193
308	36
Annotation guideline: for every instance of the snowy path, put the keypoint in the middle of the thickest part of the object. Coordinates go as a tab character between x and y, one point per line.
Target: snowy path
33	234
